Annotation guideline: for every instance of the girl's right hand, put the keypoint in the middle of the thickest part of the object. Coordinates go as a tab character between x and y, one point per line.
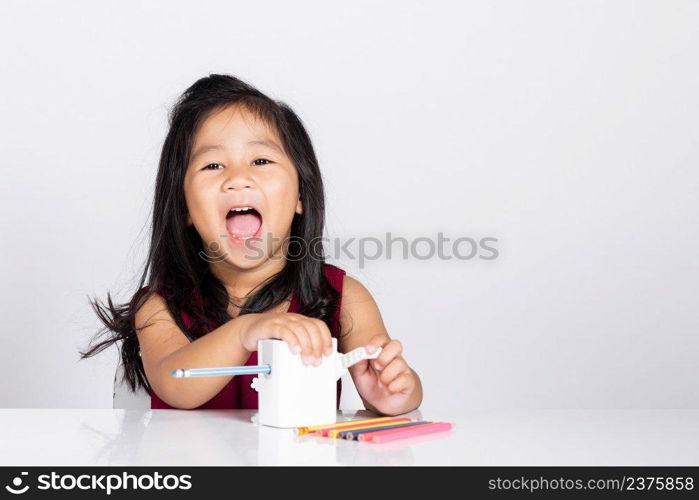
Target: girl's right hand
308	336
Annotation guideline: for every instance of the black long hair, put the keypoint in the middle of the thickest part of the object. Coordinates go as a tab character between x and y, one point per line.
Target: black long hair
174	266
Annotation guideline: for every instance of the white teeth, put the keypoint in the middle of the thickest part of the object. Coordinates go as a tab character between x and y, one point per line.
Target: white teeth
241	209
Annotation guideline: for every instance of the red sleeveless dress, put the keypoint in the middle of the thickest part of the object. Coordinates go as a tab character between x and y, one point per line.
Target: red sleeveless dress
237	393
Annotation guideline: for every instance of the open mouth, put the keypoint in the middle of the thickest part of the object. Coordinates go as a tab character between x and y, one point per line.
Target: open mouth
243	223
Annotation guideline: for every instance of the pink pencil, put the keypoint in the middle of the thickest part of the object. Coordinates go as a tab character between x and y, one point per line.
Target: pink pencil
404	432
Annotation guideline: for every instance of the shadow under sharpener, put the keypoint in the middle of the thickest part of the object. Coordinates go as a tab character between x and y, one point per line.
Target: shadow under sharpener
294	394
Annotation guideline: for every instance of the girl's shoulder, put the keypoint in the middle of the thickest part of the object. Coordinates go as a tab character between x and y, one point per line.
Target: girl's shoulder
345	284
147	289
195	296
162	292
144	290
335	276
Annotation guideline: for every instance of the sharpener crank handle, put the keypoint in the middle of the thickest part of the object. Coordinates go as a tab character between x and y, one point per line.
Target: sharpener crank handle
353	357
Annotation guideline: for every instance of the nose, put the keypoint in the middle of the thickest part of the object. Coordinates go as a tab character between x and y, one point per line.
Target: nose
237	178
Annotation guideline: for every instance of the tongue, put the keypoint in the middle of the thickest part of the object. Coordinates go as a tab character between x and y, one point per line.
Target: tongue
243	226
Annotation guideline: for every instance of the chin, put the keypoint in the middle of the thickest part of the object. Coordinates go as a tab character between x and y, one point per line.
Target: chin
241	263
245	253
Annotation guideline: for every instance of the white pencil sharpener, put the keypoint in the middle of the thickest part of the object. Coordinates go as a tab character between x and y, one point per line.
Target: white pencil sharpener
298	395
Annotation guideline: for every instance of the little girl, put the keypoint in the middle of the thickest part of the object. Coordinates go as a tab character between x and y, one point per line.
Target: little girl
236	256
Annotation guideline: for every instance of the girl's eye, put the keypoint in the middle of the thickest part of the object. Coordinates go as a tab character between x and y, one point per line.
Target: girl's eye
218	166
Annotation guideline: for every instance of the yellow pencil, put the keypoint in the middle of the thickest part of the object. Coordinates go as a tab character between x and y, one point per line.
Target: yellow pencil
336	432
308	430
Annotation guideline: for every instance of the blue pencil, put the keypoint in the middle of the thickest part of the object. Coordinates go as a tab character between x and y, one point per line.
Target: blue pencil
352	435
222	371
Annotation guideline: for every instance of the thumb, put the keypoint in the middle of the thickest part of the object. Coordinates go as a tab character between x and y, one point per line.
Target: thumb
375	342
363	366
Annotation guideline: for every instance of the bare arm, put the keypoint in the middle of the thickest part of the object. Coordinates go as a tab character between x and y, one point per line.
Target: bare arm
164	347
393	389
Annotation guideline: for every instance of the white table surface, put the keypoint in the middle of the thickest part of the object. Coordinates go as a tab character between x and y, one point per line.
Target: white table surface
229	437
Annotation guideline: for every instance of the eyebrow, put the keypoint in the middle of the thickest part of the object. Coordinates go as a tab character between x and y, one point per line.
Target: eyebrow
212	147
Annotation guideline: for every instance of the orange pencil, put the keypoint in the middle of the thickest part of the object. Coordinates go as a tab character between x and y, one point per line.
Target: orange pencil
315	428
334	433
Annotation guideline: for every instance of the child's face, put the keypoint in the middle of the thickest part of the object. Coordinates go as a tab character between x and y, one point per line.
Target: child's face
239	171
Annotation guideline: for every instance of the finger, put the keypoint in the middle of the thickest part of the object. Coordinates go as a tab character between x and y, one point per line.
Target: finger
395	368
326	336
326	343
303	339
402	383
388	353
375	342
282	332
316	335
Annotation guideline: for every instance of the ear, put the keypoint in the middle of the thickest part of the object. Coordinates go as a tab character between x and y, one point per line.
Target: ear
299	207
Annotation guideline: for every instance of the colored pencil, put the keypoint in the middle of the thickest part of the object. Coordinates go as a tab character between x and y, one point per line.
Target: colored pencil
333	433
314	428
360	425
393	434
221	371
352	435
352	425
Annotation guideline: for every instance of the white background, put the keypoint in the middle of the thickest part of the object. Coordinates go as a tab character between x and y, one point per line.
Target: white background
567	130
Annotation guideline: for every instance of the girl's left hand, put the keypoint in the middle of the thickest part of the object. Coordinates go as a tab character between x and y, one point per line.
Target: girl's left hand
387	381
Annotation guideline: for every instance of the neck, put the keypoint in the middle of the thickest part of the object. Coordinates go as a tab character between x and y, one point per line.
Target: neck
241	282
